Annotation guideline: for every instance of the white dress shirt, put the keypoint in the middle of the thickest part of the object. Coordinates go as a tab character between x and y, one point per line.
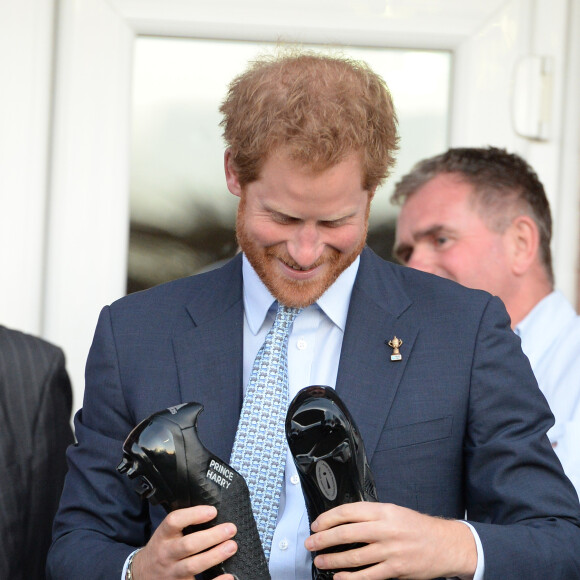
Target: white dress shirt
313	352
550	336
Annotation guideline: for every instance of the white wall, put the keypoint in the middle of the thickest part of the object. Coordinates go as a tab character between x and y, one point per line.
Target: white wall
26	51
489	95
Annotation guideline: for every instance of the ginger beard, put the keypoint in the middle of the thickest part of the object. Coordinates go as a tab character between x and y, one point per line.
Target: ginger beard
288	291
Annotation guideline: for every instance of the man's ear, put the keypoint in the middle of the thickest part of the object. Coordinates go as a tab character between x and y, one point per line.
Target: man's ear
232	180
525	242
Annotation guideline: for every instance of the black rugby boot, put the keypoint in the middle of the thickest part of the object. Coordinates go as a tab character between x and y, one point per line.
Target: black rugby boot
329	455
177	471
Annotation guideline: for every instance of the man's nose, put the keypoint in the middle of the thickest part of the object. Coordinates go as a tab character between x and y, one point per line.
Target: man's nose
306	246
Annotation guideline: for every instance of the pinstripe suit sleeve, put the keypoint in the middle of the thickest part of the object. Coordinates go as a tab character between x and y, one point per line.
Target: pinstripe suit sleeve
35	407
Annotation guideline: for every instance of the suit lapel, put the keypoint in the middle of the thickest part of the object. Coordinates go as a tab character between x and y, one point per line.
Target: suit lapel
368	379
209	358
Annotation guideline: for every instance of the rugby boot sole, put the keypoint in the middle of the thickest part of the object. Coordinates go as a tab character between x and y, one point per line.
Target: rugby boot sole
330	458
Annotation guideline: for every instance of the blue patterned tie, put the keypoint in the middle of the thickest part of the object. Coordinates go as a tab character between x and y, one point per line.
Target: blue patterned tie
259	452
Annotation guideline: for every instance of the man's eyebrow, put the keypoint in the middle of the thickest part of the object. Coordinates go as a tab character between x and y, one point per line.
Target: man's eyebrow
338	218
331	219
430	231
276	213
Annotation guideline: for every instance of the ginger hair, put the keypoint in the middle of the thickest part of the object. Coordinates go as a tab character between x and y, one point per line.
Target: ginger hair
315	108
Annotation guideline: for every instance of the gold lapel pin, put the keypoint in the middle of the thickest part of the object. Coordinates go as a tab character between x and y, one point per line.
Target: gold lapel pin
396	343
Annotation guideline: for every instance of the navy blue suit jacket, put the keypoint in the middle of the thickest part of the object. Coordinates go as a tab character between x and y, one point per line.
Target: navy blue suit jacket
457	426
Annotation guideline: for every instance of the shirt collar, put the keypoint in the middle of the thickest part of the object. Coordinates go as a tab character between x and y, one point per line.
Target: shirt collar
549	316
540	329
334	302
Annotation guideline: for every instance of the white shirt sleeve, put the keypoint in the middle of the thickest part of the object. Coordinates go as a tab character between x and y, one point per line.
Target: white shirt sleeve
479	569
124	573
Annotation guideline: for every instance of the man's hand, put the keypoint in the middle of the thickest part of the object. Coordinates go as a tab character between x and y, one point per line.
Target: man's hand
401	543
171	555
